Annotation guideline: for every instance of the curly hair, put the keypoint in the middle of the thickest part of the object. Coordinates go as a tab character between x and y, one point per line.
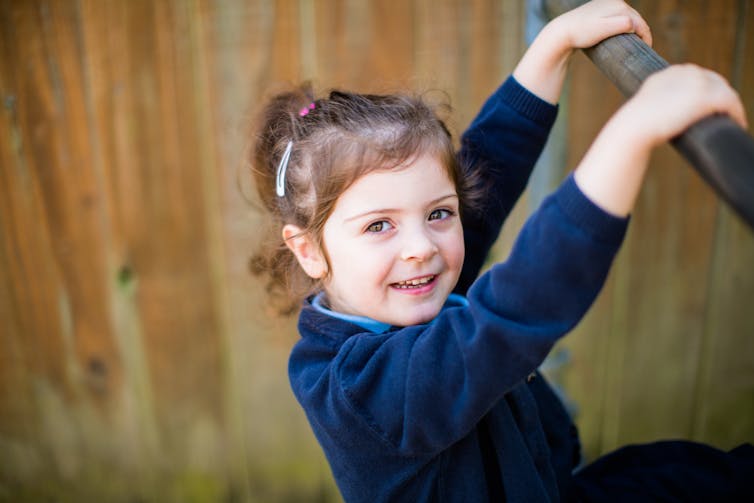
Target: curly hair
335	141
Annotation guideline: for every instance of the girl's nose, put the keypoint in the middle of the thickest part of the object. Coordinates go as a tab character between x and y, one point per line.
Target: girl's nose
418	247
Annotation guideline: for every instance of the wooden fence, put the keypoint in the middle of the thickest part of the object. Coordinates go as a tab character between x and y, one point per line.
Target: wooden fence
137	359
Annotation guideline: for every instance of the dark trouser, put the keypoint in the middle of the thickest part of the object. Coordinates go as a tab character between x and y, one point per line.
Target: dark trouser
668	471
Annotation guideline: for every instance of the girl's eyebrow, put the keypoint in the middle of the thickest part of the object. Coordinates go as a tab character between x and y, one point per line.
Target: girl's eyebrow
383	211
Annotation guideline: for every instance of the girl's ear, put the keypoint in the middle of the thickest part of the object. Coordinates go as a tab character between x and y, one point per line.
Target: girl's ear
306	251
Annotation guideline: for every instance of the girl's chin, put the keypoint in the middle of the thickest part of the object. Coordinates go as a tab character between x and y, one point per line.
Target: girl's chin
417	317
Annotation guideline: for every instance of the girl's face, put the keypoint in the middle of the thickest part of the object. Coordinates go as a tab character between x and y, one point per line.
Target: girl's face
395	244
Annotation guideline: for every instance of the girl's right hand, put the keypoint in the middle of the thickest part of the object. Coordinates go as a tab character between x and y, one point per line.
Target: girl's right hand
671	100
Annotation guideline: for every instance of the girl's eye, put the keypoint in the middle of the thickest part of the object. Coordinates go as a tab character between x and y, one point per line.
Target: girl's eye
380	226
440	214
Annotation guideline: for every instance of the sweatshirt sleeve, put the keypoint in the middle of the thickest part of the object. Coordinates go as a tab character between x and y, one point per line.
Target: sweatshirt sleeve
423	388
502	145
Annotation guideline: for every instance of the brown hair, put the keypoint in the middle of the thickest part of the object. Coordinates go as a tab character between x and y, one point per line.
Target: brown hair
335	141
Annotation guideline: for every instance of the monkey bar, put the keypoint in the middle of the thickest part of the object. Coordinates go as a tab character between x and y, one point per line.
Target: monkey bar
719	149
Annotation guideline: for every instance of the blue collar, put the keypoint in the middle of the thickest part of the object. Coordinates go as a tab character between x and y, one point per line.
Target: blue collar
374	326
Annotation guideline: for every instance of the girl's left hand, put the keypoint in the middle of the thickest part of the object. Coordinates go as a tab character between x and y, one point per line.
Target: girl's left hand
543	67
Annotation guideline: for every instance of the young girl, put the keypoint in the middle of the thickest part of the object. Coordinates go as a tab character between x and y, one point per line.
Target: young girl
418	378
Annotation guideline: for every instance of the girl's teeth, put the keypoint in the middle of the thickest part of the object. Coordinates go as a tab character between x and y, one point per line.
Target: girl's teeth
415	282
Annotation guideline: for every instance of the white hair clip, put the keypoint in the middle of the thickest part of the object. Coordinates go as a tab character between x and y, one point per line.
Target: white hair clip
280	178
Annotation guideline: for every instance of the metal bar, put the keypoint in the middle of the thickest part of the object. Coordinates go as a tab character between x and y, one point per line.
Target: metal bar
719	149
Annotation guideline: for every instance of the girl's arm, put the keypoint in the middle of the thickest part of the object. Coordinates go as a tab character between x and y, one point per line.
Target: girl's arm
508	134
501	145
668	102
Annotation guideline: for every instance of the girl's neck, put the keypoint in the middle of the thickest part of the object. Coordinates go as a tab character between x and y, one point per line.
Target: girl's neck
319	302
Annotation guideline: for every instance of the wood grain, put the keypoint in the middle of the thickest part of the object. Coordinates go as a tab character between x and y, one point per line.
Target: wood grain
138	359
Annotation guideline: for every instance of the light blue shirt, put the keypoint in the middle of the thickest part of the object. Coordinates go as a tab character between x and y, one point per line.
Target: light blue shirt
374	326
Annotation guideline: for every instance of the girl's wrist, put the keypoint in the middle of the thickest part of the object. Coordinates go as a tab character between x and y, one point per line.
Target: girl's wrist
612	171
558	39
631	124
543	68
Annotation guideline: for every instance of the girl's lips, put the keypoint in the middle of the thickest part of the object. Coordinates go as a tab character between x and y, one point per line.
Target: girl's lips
417	285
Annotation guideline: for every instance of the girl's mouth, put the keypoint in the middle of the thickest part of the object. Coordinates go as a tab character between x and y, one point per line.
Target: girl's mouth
416	283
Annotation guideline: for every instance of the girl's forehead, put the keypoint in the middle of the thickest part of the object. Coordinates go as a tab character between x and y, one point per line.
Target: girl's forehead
420	181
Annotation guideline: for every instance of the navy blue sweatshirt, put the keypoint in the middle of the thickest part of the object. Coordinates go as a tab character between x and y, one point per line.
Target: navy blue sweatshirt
453	410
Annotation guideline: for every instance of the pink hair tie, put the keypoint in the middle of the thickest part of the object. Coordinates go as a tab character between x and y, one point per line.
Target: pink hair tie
304	111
